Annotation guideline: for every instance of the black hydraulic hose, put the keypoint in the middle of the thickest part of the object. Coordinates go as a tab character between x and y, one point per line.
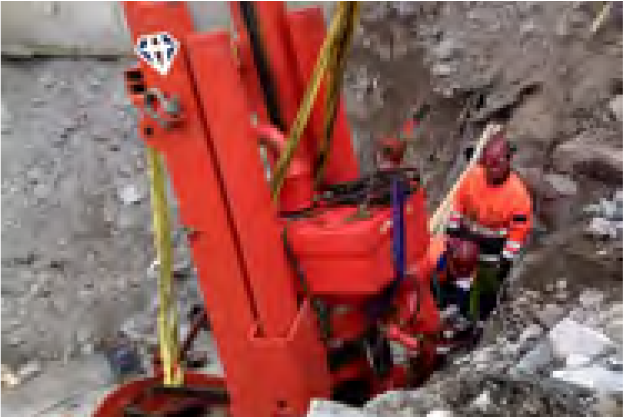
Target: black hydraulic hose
373	189
268	86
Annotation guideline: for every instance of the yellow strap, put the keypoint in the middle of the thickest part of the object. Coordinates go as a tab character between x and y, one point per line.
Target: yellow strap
297	128
601	17
167	315
340	57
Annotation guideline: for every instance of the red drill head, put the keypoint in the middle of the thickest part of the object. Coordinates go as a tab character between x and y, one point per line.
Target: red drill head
496	159
463	257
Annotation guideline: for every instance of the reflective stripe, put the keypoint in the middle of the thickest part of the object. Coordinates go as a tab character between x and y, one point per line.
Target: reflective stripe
453	224
508	254
485	231
463	283
489	258
444	350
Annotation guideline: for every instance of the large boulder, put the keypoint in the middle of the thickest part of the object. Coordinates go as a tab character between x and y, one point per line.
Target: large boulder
327	408
589	157
571	338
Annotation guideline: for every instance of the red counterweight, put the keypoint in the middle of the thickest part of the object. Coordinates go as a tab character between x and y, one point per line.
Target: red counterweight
342	254
304	296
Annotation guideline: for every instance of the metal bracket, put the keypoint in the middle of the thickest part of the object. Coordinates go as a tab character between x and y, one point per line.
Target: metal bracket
171	107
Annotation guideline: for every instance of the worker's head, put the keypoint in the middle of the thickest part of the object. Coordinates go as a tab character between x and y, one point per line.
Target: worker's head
463	257
496	159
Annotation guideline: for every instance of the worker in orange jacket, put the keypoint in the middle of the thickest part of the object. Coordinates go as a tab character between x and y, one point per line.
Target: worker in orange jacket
450	265
492	208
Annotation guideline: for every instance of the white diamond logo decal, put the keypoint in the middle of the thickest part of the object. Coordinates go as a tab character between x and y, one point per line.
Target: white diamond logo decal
158	50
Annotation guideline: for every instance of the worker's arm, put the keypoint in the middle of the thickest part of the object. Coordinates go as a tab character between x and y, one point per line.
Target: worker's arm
520	225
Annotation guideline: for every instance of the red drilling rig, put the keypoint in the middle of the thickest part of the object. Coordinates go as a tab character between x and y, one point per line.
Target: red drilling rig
305	294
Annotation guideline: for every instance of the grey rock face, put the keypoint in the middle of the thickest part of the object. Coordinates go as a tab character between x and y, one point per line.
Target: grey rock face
587	157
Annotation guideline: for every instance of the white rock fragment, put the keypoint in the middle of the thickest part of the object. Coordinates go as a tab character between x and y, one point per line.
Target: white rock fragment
561	296
594	377
618	199
608	209
536	359
393	400
483	401
528	28
325	408
9	378
569	337
532	332
484	355
550	314
562	184
511	349
29	371
440	413
576	360
446	49
617	107
616	310
603	228
442	70
615	330
130	194
590	298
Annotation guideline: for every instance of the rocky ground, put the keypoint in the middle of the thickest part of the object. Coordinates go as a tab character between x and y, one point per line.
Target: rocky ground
76	236
553	348
76	239
77	262
532	66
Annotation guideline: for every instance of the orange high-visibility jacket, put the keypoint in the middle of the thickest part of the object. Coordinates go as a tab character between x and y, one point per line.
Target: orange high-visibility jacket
501	212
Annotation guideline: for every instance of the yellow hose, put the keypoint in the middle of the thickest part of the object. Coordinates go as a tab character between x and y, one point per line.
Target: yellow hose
167	316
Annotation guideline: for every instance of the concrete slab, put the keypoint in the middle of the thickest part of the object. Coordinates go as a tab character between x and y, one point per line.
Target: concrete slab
66	390
94	28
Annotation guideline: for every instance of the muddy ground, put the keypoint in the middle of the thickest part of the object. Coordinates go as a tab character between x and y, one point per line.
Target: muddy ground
75	208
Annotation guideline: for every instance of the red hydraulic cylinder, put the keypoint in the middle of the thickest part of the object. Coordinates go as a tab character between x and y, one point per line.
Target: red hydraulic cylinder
281	56
254	216
307	33
297	191
247	67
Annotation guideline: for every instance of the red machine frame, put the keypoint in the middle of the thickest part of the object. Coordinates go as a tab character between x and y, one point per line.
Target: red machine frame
267	332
